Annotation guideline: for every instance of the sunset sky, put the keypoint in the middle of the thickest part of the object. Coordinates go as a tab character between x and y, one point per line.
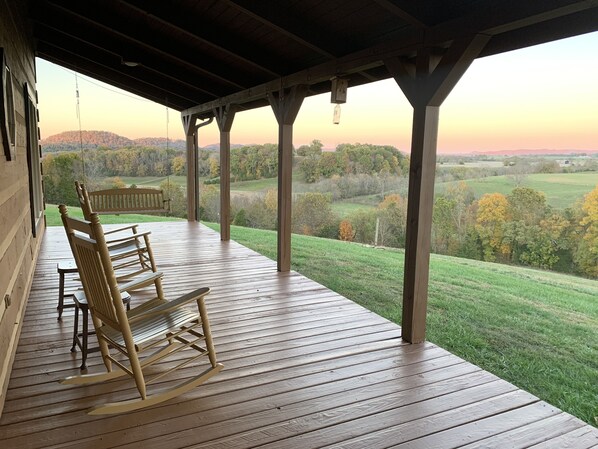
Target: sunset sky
542	97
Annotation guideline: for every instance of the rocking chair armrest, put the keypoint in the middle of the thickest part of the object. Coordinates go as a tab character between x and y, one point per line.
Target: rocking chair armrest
129	238
172	305
124	228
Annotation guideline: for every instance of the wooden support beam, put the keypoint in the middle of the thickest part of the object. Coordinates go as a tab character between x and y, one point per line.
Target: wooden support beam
224	118
426	82
285	104
190	133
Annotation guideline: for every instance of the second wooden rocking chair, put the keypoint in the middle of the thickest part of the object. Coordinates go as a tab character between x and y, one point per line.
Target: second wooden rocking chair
156	329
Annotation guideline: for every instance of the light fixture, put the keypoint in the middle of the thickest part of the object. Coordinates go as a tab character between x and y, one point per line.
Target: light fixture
129	62
338	95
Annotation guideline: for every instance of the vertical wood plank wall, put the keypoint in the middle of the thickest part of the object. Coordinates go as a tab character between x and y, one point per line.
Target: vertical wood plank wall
18	248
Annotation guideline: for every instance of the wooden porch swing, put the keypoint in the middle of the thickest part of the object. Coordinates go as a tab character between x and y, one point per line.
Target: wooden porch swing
122	201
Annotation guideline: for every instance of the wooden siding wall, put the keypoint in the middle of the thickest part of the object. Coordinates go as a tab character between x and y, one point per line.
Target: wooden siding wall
18	248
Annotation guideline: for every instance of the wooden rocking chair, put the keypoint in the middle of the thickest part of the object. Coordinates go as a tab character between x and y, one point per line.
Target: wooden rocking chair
159	327
132	256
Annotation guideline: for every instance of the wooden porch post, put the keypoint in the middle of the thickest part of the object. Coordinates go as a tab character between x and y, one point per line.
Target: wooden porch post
426	82
190	133
285	104
224	118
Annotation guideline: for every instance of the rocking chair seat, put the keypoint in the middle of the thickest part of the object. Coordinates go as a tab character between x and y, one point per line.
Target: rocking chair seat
154	326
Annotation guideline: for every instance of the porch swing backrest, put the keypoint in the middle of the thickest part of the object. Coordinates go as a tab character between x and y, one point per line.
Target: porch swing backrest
123	201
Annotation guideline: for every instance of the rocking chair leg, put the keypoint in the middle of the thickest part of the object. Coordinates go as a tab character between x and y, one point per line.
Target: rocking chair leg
76	329
85	338
203	313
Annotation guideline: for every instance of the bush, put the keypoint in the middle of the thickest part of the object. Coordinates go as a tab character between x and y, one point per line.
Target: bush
313	215
345	231
240	218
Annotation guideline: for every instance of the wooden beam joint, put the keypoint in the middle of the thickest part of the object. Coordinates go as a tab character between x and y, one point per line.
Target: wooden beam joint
429	78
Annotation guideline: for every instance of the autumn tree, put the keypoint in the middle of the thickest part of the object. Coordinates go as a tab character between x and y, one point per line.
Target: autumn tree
544	241
179	166
364	225
528	241
527	205
313	149
345	231
178	198
586	254
313	215
453	218
330	165
491	217
310	167
209	203
60	172
214	167
392	215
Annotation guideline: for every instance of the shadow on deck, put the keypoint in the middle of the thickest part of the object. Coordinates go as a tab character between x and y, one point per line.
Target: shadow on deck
304	367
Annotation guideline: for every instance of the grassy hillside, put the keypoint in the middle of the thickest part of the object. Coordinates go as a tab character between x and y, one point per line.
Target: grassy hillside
536	329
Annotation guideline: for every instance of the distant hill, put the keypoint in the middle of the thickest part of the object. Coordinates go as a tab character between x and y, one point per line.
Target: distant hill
71	141
160	142
537	152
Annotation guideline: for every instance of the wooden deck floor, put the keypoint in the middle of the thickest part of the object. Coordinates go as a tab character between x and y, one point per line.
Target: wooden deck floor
304	368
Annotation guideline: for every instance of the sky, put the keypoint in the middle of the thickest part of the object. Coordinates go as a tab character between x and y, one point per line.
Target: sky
541	97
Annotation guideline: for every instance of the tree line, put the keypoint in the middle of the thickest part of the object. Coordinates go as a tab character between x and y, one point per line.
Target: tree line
518	228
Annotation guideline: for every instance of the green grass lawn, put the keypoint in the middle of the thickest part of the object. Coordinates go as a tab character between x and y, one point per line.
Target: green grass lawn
53	217
255	186
562	189
153	181
536	329
347	207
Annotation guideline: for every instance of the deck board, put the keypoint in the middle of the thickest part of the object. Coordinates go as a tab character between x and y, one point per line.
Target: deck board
304	367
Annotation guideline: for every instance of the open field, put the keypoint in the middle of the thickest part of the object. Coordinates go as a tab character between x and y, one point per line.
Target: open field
153	181
562	189
347	207
255	186
536	329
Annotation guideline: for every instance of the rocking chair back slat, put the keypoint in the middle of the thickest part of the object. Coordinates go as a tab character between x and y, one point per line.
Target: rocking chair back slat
95	285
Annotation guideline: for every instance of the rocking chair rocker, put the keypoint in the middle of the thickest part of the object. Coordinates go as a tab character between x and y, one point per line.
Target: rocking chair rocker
157	328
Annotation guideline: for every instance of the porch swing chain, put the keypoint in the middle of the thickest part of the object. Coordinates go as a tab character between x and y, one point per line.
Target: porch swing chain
80	132
167	148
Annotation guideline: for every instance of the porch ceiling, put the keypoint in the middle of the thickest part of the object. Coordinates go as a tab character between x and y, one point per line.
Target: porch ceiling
213	52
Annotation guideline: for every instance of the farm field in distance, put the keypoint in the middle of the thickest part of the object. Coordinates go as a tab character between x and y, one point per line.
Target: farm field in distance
562	190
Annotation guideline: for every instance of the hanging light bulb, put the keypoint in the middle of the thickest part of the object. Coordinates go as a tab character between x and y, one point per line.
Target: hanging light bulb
336	118
338	95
